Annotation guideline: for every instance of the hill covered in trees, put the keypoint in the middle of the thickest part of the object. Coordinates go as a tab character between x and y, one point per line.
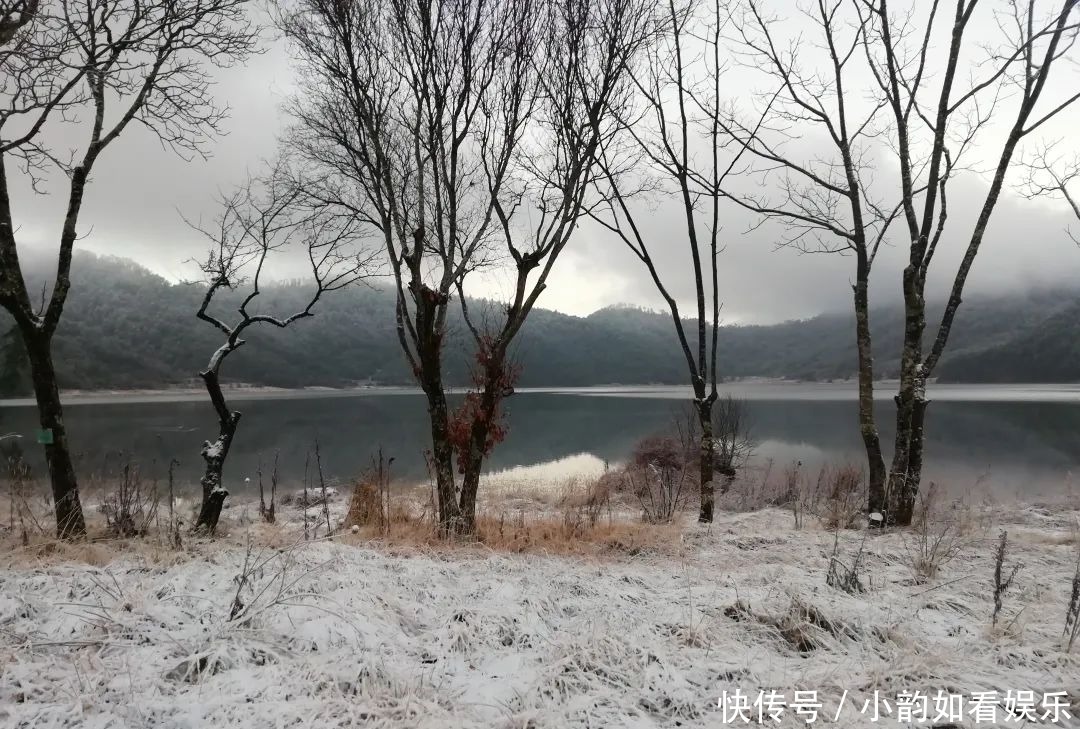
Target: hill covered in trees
125	327
1047	351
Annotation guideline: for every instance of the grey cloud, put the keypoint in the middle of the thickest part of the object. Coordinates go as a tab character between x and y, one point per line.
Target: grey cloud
132	210
1026	246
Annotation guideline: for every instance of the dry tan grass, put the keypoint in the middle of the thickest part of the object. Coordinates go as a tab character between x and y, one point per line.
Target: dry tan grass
498	490
573	498
523	532
579	523
98	550
519	490
584	493
365	506
577	517
101	548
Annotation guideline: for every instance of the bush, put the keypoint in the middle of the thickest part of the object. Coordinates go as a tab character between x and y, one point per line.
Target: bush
660	452
129	510
369	504
935	537
843	496
365	505
661	466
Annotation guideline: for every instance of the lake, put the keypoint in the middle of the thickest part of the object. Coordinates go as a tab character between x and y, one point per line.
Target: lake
1013	439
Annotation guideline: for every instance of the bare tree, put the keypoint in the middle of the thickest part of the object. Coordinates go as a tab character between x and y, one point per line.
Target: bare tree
124	63
678	110
929	123
933	126
417	115
396	95
583	84
260	219
681	133
812	139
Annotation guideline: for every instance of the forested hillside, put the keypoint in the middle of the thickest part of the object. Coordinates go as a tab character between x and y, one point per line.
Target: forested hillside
127	328
1048	351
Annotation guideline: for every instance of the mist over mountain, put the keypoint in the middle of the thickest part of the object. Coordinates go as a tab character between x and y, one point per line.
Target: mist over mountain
125	327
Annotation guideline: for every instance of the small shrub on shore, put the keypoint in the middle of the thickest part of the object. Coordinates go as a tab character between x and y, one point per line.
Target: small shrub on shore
130	509
798	493
369	503
842	575
836	497
936	536
757	489
658	476
365	506
843	496
613	481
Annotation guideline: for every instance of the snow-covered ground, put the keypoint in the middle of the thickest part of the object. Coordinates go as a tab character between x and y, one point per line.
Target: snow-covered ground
335	633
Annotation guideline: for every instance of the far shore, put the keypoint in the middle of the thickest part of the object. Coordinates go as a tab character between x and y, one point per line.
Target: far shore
746	388
233	392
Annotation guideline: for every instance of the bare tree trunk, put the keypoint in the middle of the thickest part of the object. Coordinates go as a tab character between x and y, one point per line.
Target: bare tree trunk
906	472
867	424
906	508
911	396
442	450
443	460
483	420
213	492
707	460
70	523
470	485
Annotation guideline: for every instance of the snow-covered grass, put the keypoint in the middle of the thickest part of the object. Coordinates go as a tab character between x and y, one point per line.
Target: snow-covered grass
339	632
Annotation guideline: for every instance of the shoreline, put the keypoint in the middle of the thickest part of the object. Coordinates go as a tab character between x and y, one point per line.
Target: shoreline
749	389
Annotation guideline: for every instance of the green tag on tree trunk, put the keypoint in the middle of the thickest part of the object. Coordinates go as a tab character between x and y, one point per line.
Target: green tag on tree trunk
45	436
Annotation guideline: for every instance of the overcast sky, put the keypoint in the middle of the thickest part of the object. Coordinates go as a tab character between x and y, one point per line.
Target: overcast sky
133	210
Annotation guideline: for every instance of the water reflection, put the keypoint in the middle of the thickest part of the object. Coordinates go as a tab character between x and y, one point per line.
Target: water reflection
1023	445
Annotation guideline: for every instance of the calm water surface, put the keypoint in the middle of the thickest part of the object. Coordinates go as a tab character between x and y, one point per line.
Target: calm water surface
1014	439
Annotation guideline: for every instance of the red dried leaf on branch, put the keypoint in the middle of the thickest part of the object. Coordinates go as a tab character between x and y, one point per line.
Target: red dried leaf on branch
478	416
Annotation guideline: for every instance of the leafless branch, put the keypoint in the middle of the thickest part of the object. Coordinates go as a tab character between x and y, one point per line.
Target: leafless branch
267	217
108	65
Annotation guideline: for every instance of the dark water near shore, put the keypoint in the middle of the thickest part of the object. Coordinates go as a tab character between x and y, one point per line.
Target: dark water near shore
1013	439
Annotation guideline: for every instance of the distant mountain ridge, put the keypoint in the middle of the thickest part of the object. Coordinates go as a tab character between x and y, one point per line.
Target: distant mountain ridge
125	327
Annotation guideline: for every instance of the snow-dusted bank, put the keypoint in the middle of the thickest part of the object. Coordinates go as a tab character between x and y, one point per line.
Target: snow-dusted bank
333	634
